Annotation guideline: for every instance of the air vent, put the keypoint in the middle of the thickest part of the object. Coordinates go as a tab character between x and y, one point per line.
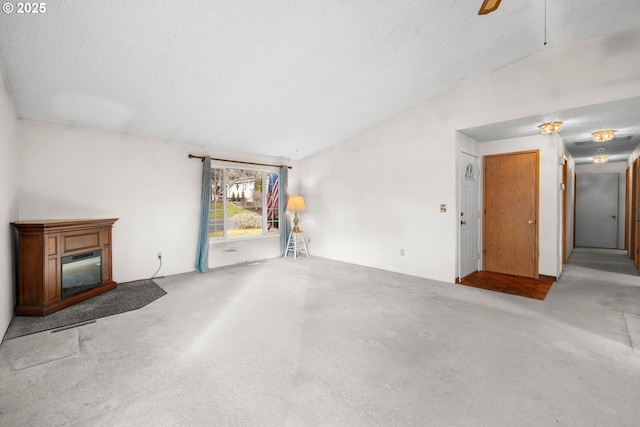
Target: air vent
580	143
616	139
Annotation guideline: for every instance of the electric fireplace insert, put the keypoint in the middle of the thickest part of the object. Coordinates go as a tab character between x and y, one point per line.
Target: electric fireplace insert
81	272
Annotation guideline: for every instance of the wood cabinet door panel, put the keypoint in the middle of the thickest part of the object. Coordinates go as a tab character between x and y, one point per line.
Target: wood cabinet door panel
85	241
52	280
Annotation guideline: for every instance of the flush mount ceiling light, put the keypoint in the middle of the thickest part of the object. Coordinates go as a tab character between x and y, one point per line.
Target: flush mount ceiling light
603	135
488	6
551	127
600	159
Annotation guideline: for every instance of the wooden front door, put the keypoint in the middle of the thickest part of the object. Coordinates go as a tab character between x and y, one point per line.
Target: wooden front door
510	236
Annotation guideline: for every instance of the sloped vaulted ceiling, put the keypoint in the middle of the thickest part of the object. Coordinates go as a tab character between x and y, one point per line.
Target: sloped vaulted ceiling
279	77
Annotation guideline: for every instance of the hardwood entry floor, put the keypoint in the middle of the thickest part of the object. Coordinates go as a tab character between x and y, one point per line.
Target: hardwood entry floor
507	284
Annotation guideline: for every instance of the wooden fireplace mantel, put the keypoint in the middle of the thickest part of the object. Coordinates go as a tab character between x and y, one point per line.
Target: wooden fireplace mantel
41	246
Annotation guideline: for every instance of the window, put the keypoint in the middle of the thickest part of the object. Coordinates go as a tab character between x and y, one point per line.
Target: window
244	202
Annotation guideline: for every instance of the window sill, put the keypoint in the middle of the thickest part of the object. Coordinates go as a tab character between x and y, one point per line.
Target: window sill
214	240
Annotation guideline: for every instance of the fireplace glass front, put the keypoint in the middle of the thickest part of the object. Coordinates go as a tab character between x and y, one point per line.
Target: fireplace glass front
81	272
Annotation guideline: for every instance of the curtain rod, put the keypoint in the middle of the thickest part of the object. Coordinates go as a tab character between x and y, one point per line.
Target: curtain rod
191	156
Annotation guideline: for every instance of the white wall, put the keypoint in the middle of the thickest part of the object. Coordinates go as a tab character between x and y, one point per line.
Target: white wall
230	252
362	206
611	167
9	205
151	185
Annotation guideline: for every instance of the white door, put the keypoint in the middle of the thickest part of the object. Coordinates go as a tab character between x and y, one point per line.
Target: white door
468	215
597	210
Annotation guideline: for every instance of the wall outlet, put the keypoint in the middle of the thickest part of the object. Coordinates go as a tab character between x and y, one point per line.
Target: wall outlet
159	255
443	208
401	252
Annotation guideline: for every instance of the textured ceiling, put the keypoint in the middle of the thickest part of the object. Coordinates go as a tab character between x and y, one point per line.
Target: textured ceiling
278	77
578	124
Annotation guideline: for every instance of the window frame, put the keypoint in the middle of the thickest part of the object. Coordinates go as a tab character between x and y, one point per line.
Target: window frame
265	172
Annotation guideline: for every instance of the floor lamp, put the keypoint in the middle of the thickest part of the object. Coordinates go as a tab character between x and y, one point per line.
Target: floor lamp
295	204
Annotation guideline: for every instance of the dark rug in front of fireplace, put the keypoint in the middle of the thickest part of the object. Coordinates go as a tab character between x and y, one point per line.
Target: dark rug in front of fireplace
126	297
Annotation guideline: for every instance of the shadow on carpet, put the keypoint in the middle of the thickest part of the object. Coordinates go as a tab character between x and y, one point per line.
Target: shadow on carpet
126	297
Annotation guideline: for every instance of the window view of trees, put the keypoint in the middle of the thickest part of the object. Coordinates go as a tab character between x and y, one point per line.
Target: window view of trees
216	215
239	200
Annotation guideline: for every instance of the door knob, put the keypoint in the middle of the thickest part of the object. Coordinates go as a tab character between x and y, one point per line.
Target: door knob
613	216
463	222
530	221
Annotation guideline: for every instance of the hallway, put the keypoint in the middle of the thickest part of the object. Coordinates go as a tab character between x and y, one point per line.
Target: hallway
605	260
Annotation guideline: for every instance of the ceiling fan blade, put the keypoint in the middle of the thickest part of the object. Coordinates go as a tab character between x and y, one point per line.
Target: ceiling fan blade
488	6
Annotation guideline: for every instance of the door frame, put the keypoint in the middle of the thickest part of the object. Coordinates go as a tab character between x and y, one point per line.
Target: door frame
635	217
627	175
633	209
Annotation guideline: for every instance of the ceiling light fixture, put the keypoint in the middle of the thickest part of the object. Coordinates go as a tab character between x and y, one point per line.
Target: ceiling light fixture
488	6
600	159
603	135
551	127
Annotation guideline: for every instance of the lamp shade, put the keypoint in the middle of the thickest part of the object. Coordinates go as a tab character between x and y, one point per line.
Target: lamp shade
295	203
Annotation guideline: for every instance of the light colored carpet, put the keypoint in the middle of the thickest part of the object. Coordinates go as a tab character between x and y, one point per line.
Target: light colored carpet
317	342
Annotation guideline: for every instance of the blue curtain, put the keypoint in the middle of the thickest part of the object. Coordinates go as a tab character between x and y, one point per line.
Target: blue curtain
284	221
203	233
